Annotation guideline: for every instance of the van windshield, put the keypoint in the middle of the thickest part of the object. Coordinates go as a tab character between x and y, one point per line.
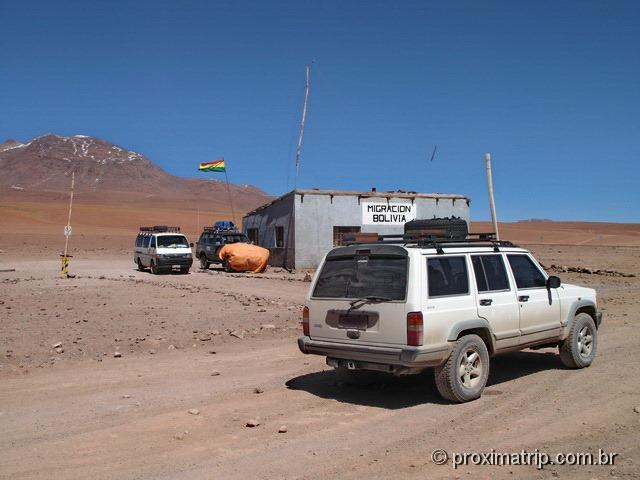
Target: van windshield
172	241
363	276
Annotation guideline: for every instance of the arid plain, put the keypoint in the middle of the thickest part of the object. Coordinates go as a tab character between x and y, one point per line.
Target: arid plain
121	374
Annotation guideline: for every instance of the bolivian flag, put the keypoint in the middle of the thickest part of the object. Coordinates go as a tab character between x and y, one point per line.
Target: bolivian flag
215	166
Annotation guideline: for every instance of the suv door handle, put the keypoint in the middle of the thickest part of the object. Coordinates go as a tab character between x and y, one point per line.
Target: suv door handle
485	302
523	298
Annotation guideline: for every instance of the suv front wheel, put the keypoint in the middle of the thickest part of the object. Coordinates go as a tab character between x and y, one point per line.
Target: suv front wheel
204	264
463	376
579	349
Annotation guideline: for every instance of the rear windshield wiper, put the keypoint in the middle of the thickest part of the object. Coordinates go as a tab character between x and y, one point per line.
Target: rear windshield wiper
359	302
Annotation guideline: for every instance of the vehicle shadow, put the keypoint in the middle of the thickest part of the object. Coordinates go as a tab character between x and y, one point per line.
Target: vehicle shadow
388	391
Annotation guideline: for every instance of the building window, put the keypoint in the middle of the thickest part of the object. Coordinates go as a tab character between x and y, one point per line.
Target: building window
279	237
339	234
252	233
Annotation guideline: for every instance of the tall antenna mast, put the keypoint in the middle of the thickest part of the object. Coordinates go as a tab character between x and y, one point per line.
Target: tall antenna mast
288	239
307	85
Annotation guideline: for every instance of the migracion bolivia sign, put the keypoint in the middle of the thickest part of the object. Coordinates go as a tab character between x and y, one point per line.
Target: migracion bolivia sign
393	212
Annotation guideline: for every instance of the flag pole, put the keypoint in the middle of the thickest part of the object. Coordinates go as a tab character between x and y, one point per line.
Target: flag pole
233	213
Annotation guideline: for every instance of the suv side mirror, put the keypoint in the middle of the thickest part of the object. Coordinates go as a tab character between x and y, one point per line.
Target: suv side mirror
553	282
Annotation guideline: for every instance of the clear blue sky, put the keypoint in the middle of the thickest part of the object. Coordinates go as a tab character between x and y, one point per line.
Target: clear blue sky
552	88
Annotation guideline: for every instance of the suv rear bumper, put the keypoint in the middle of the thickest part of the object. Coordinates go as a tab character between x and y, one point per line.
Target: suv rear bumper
401	356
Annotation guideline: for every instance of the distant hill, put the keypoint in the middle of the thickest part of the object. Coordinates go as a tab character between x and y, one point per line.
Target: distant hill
105	173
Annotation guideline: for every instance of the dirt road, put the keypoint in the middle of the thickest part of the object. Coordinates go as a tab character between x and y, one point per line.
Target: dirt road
83	413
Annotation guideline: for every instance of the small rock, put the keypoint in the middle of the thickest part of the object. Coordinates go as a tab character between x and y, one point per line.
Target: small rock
171	347
59	350
57	345
307	277
180	436
636	409
262	310
215	373
267	326
117	355
212	352
126	396
204	338
258	390
252	423
152	352
237	334
282	429
194	411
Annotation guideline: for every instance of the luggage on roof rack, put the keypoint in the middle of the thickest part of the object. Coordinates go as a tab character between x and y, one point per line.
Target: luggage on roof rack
159	229
225	225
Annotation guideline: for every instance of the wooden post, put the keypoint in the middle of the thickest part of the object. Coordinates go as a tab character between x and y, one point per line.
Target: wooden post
492	204
64	271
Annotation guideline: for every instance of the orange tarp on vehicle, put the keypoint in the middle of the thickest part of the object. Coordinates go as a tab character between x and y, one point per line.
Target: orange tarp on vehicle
244	257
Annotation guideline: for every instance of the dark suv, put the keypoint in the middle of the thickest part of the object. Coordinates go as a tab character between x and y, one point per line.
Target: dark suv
212	240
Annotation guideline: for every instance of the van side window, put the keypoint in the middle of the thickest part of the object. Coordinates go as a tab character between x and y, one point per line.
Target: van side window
145	242
526	273
447	276
139	241
491	274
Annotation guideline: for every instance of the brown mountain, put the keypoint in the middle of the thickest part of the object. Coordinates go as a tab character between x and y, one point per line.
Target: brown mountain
104	172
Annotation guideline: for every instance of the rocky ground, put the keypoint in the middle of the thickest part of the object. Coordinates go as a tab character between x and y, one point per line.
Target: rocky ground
121	374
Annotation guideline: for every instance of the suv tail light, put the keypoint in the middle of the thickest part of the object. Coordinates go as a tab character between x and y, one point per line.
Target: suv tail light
414	329
305	321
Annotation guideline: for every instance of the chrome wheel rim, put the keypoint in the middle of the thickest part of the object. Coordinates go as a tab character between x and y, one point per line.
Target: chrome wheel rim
585	341
470	369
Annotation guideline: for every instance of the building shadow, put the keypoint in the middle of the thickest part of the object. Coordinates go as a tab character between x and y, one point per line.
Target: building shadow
391	392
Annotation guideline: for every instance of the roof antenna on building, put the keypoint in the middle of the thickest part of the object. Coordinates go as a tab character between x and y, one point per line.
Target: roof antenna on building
433	154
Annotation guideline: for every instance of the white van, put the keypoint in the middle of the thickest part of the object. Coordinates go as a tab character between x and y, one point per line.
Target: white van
162	248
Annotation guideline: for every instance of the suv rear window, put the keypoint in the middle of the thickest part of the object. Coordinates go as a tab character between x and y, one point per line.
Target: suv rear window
447	276
363	276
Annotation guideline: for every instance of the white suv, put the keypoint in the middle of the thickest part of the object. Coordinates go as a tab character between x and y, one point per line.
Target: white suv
403	307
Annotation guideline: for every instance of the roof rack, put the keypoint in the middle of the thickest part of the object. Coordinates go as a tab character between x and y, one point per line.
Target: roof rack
227	230
159	229
431	241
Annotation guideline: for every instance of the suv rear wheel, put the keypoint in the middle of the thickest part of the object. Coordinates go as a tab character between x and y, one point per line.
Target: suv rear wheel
204	264
463	376
579	349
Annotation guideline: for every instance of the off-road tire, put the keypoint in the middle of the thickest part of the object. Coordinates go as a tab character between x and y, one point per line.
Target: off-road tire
204	263
579	349
140	266
154	269
449	376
